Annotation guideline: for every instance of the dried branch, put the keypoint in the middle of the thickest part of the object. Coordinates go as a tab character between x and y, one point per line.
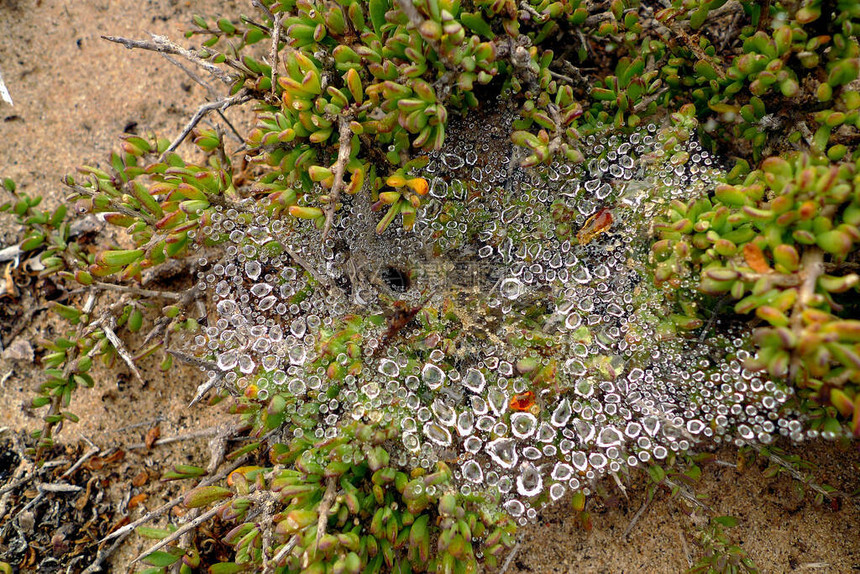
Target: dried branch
206	385
239	98
343	153
321	279
218	448
120	348
11	252
94	450
137	291
148	423
50	488
165	508
162	45
264	9
286	549
276	39
796	474
640	107
324	507
638	515
205	433
105	553
179	532
812	267
191	74
684	493
510	559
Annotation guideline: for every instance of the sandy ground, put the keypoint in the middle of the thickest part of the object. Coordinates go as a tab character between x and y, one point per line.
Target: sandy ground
74	93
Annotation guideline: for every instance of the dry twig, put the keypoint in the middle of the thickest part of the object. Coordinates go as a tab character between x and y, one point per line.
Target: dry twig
120	348
264	9
94	450
205	433
796	474
343	152
239	98
137	291
273	55
164	508
286	549
162	45
179	532
684	493
4	92
638	515
510	559
324	507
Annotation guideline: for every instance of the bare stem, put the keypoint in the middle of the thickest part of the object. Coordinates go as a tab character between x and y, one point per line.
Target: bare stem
121	350
343	153
647	101
510	559
179	532
164	508
164	46
638	515
812	267
324	507
241	97
93	451
796	474
137	291
205	433
273	56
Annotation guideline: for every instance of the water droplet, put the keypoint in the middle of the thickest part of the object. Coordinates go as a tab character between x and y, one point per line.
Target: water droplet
433	376
298	327
389	368
227	361
529	481
465	423
514	507
511	288
246	365
261	289
609	436
252	269
445	414
472	472
503	451
437	434
561	414
523	425
474	380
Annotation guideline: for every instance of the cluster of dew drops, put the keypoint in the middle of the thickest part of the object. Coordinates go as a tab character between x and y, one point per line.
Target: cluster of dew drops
505	245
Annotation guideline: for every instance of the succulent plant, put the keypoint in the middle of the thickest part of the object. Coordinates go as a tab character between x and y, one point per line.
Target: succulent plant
538	320
768	242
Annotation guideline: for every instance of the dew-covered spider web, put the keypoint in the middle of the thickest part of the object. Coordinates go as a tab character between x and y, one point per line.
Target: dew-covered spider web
515	333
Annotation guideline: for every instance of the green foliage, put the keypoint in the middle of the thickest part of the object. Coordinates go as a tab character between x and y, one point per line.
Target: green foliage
763	242
787	50
361	91
380	518
720	555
